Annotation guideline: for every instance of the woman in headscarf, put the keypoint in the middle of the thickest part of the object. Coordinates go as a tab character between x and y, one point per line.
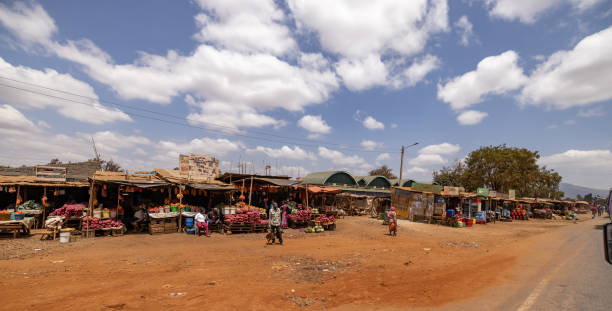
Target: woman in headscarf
284	223
392	216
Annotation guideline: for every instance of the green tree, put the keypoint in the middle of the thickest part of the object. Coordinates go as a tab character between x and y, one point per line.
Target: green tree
450	175
502	168
111	166
383	171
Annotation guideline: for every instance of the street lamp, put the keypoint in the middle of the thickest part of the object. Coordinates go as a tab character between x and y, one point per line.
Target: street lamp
402	162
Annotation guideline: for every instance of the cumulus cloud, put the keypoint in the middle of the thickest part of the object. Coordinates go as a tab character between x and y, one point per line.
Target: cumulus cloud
471	117
590	168
245	26
24	142
361	74
372	124
249	75
363	34
30	23
339	159
417	71
286	152
465	29
528	11
578	77
383	157
443	148
426	159
85	109
314	124
494	75
370	144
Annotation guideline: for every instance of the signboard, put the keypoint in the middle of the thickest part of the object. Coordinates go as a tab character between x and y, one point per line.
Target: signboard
199	165
483	192
512	194
451	191
51	173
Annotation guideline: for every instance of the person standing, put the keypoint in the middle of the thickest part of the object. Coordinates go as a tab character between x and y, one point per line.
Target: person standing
274	216
200	219
600	210
392	216
593	211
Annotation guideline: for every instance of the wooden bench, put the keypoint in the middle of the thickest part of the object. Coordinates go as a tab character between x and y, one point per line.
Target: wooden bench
15	227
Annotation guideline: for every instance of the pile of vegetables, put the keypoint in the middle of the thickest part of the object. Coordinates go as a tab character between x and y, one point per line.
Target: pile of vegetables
245	215
301	215
96	223
325	219
69	210
316	229
29	205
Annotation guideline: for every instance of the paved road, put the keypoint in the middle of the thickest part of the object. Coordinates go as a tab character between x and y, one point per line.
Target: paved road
564	269
579	278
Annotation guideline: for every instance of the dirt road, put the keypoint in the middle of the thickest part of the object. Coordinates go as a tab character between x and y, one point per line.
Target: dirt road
358	265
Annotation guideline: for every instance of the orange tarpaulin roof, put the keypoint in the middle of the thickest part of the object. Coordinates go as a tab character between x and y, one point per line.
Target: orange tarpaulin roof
317	189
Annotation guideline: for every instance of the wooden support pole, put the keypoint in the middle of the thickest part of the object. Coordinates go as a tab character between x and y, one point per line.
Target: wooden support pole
251	190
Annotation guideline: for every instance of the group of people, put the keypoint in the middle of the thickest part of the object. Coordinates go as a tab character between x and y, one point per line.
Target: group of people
599	210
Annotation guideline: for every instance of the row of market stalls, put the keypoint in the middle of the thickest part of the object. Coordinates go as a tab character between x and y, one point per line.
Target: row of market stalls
454	206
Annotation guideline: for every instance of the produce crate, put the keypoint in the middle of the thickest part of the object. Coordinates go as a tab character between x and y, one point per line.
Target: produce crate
118	232
230	228
157	221
88	233
156	228
329	226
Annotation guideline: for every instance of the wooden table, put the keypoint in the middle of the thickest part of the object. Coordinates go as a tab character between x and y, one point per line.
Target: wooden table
15	226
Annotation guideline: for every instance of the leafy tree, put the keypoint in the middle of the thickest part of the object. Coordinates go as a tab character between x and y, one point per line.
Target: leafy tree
502	168
55	162
383	171
450	175
111	166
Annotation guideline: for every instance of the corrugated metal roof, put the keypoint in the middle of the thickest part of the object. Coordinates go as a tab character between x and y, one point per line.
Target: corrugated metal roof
405	182
322	178
270	181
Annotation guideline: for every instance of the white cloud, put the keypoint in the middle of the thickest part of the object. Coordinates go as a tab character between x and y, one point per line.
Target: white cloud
393	125
12	119
370	144
222	74
293	170
314	124
382	157
245	26
341	160
528	11
362	34
569	122
590	168
372	124
30	23
418	174
494	75
167	152
108	142
465	30
443	148
417	71
361	74
227	118
426	159
26	96
286	152
358	29
592	112
471	117
578	77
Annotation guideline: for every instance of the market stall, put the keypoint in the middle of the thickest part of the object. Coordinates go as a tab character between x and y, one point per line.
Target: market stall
37	197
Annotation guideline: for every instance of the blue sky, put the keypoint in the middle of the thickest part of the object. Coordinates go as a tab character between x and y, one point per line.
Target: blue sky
308	85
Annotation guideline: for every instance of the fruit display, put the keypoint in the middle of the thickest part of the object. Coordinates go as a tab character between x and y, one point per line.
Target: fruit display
315	229
96	223
325	219
245	215
69	210
301	215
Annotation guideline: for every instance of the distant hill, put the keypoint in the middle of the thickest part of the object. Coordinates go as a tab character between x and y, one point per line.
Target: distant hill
572	190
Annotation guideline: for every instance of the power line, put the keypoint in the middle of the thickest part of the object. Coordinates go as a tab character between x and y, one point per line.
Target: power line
316	143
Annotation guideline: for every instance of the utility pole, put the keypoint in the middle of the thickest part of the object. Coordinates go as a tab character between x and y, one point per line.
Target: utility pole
402	162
